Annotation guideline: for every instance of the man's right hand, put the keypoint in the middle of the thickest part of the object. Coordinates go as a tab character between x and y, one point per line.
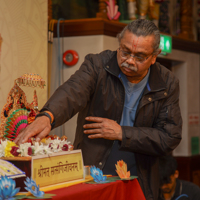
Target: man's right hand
39	128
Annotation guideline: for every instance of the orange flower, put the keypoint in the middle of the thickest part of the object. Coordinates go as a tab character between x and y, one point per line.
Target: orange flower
120	162
121	169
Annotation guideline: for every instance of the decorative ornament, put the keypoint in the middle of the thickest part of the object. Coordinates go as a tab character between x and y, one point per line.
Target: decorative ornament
97	174
121	169
17	113
32	188
31	80
112	10
15	122
7	188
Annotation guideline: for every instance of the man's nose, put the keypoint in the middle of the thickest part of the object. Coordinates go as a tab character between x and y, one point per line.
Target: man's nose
131	60
164	186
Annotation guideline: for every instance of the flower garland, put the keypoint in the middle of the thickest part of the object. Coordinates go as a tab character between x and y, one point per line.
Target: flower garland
31	148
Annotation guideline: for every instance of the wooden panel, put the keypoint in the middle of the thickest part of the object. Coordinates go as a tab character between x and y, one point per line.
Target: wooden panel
196	177
189	168
92	26
184	168
185	45
99	26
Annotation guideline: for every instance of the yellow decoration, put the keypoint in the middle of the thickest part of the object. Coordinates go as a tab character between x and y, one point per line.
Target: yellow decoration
121	169
43	140
8	148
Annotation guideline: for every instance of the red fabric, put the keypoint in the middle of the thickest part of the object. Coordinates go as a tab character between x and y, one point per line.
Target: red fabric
119	190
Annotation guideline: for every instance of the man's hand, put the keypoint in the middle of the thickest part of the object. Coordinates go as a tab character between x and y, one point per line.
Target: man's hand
103	128
40	127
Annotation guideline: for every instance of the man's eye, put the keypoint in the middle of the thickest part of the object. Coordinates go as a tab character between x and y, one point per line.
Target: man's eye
139	58
126	53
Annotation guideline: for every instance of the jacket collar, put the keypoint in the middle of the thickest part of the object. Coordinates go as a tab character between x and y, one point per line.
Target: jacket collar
112	65
155	82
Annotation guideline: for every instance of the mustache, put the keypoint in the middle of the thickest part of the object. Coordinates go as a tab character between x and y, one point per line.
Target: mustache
124	64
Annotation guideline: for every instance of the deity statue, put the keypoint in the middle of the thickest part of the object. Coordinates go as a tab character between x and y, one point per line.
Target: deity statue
148	9
132	9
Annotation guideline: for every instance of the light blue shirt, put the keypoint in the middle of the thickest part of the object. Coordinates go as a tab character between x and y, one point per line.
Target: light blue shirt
133	93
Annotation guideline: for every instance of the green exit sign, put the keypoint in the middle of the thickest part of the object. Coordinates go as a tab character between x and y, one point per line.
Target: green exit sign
166	43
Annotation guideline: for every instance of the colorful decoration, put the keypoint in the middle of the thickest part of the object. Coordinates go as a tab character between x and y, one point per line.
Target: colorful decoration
97	174
112	10
17	113
121	169
15	122
32	187
7	188
32	148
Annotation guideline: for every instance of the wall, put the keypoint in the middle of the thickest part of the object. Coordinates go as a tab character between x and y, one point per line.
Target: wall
188	71
23	27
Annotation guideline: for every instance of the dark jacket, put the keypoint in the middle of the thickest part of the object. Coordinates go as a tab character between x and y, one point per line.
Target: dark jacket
185	191
96	90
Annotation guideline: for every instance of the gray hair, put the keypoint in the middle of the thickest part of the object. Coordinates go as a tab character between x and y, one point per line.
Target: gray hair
143	27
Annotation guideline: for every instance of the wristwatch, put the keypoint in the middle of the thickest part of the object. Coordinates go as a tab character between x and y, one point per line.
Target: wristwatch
47	114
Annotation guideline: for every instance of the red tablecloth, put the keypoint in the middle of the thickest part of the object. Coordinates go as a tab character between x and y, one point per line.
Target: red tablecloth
119	190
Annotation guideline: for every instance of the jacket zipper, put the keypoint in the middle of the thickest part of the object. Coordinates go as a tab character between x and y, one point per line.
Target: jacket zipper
108	152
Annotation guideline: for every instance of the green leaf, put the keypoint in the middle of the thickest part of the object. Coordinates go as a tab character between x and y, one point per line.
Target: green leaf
46	196
113	179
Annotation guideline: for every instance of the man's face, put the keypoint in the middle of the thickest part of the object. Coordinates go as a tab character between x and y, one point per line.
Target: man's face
170	187
141	47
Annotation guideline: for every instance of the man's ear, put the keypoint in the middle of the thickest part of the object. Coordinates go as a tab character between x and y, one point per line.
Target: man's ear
155	56
176	174
159	51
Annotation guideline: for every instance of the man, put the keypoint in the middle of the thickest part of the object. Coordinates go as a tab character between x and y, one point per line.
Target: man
171	188
128	107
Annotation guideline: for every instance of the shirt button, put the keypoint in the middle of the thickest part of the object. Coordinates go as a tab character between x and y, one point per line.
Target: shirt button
100	163
150	99
165	93
107	66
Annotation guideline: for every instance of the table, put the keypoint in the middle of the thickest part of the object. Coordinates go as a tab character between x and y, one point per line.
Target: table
119	190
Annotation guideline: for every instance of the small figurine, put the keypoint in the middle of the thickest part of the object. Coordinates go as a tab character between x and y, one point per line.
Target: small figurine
112	10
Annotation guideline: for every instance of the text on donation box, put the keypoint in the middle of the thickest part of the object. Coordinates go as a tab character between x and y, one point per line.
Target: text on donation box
57	168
